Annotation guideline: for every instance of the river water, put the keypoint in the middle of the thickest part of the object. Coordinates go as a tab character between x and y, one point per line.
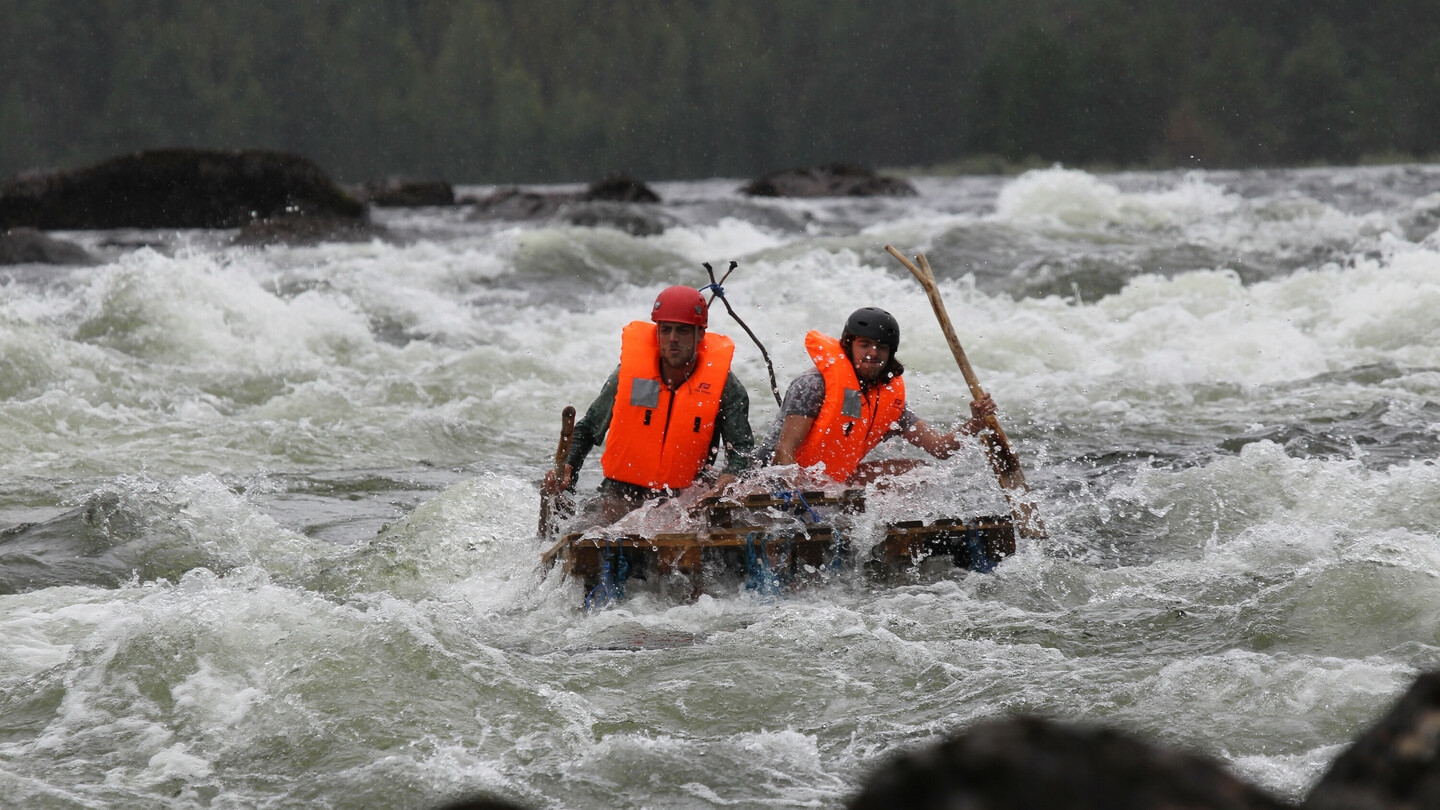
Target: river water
269	514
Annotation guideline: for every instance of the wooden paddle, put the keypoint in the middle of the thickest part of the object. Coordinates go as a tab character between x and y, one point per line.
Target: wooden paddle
547	500
997	446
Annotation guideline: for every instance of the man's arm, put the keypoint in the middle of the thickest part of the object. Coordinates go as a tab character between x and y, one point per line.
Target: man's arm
589	432
797	413
733	425
793	430
941	445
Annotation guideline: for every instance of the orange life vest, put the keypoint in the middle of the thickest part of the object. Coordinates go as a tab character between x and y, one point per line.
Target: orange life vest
661	438
851	422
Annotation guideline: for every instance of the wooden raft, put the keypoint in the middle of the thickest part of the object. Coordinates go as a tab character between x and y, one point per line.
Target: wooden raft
759	532
790	554
912	541
756	507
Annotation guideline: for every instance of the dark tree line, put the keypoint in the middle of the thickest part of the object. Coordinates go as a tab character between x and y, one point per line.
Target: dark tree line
569	90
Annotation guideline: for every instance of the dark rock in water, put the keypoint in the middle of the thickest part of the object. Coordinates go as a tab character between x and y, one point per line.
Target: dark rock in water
1028	764
835	180
620	188
29	246
1393	766
514	203
303	230
174	188
636	220
401	192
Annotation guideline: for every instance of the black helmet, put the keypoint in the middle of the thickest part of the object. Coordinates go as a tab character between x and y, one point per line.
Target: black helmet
876	324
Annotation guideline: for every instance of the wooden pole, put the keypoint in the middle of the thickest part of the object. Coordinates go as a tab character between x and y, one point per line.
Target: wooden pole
997	446
548	501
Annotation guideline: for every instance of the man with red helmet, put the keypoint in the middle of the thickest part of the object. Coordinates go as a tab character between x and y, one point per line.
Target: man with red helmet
665	412
854	398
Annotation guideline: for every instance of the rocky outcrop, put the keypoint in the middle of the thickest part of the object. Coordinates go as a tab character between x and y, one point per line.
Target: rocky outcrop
403	192
1029	764
29	246
834	180
1393	766
174	188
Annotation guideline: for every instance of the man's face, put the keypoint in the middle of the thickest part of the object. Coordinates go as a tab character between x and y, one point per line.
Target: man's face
869	357
677	342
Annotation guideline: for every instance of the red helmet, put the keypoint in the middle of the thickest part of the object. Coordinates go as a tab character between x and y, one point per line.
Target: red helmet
680	305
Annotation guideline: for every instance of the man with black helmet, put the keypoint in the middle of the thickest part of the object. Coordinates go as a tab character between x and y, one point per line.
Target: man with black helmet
664	413
854	398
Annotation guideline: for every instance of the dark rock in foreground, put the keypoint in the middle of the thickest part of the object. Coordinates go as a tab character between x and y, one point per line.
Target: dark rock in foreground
401	192
1393	766
1028	764
29	246
835	180
174	188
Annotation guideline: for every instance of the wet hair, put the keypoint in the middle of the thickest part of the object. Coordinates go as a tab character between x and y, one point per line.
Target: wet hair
892	369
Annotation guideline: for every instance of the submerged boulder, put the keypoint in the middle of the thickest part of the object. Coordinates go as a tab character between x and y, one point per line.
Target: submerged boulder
29	246
1393	766
617	201
404	192
1031	764
309	230
517	203
834	180
174	188
632	219
104	542
619	188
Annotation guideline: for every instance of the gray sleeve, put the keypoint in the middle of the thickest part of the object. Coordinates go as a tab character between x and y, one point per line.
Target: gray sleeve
803	398
907	420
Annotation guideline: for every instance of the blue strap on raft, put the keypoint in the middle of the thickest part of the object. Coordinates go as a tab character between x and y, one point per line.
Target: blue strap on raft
837	560
790	496
612	577
759	575
980	562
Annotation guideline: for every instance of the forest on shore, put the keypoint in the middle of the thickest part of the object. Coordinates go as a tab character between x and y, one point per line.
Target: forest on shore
502	91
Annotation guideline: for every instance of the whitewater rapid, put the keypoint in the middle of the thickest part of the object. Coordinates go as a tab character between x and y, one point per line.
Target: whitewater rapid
268	514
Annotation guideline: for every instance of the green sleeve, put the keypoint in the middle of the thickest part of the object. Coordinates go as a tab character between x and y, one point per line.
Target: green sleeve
733	425
593	426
